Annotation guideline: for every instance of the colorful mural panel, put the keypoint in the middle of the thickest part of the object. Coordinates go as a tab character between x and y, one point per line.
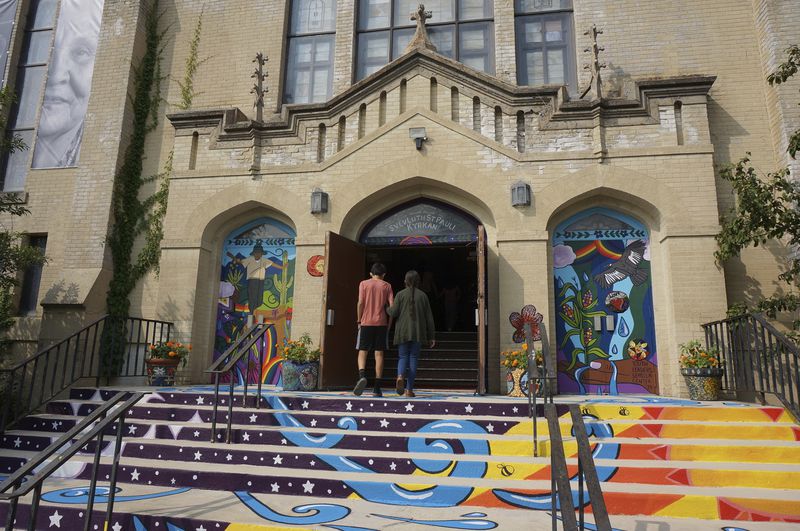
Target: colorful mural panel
257	285
604	305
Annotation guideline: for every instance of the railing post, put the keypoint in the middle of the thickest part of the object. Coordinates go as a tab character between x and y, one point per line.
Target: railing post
12	509
112	488
263	344
230	405
216	407
37	496
93	485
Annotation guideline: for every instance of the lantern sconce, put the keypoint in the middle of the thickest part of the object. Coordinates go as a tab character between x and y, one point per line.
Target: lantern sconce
319	201
418	135
520	194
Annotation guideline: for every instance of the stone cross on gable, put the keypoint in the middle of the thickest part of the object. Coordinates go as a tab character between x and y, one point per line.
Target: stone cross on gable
420	39
258	87
595	85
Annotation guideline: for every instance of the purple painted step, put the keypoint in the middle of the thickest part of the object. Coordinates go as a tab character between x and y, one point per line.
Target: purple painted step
264	418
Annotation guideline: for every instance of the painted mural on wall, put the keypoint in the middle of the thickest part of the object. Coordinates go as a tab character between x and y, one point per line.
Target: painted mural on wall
604	305
69	83
257	285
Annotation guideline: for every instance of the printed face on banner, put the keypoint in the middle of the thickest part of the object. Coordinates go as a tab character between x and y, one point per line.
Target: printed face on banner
69	83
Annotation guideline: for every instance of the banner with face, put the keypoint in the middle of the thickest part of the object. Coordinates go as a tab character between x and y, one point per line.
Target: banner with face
69	83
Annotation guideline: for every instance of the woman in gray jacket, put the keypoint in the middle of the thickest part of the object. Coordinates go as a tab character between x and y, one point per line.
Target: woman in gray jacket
414	326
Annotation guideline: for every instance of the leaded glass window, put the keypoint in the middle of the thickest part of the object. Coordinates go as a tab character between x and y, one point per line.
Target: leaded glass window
461	29
309	69
545	42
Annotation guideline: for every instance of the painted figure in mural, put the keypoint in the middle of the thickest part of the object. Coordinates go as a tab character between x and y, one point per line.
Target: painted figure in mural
414	326
69	83
256	266
374	297
627	266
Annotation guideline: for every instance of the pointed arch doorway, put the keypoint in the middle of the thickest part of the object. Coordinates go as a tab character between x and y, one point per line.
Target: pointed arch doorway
448	247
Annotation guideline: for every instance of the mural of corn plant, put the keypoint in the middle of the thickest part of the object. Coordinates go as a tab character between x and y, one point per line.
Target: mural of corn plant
578	312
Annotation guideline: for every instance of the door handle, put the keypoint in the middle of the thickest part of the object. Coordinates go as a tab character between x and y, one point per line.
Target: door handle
329	317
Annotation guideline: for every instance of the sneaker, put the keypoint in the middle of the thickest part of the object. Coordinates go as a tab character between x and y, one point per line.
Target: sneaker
410	394
377	392
400	386
360	385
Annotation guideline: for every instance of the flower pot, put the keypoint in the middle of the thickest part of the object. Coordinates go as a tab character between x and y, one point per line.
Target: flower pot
514	382
161	371
300	376
703	384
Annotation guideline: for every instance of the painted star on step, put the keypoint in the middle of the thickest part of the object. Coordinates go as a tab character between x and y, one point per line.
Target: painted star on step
384	423
283	441
199	400
392	466
409	407
313	423
55	424
308	487
17	442
277	460
245	436
349	406
228	457
313	463
275	487
132	430
116	527
468	409
201	528
172	481
196	433
490	428
135	475
304	405
197	455
514	409
55	519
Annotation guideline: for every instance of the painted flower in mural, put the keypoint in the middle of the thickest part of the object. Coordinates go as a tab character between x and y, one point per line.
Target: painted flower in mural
637	350
528	315
563	255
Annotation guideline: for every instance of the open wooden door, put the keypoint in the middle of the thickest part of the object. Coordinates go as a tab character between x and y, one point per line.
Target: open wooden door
344	269
480	320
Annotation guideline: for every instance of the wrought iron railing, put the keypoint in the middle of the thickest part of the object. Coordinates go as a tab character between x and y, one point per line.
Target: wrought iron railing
541	382
33	474
758	359
29	384
228	362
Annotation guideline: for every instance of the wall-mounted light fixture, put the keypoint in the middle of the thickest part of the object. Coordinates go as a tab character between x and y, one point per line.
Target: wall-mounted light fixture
418	135
319	201
520	194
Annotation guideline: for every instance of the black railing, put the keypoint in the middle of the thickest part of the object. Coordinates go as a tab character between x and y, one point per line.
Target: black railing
31	383
227	364
541	381
27	478
757	358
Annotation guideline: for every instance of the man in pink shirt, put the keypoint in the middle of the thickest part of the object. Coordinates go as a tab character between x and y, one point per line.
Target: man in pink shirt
374	296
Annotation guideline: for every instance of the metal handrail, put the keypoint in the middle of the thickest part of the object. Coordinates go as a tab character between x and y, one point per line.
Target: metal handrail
230	358
546	382
113	410
758	359
587	471
50	371
560	490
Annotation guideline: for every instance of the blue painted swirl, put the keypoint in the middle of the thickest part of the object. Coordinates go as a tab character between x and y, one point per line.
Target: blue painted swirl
80	495
322	513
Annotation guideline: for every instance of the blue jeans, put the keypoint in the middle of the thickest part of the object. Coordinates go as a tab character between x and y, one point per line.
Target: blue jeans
409	355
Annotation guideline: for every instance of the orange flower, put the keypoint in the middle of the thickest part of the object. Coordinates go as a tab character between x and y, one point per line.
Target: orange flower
152	347
172	354
514	363
524	346
189	346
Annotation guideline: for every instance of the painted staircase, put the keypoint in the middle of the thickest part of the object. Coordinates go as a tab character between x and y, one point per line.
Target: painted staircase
333	461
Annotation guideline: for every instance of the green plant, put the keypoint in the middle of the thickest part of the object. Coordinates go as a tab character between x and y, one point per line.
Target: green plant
301	351
577	312
696	356
169	350
518	359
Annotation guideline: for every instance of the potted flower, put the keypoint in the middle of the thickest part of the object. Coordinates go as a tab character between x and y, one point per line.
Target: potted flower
300	364
163	360
702	370
516	365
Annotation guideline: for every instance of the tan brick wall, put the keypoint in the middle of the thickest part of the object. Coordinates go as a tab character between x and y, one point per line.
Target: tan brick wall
672	188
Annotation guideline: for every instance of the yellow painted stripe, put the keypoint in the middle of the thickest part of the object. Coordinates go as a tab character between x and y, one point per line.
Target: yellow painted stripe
745	478
736	454
704	507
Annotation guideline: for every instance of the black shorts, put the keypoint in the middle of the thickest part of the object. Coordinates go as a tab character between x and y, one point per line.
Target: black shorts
372	338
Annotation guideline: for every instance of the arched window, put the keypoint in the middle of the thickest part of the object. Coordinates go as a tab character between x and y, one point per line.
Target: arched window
461	29
309	65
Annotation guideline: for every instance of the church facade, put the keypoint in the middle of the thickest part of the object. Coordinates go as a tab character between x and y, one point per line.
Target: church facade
543	162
